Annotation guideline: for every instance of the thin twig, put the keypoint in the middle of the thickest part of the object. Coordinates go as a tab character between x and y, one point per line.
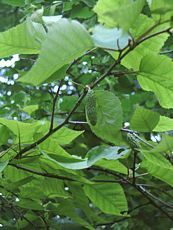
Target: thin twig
42	173
50	175
156	198
78	122
54	106
76	60
166	52
134	165
153	35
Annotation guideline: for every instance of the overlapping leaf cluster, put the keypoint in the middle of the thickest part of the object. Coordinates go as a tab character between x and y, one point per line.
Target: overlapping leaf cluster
86	115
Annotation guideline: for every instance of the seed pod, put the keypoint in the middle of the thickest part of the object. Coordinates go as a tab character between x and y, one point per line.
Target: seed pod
91	107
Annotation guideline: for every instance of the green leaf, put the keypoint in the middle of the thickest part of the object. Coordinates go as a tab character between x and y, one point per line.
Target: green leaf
14	2
37	16
108	197
120	13
144	120
162	9
53	152
30	109
20	40
24	131
158	166
115	166
109	116
3	164
30	204
66	40
69	162
67	208
59	74
155	75
4	132
165	146
106	152
151	46
82	202
50	20
14	175
53	188
164	124
81	12
110	38
63	136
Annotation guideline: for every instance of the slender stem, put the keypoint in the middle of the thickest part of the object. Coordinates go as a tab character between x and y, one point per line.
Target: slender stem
76	60
54	106
78	122
156	198
153	203
152	28
142	140
166	52
50	175
42	173
134	165
153	35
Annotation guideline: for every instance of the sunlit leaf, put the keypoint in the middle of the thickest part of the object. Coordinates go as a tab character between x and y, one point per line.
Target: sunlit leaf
66	40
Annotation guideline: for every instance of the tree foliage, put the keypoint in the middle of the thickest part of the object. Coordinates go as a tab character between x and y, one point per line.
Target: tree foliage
86	114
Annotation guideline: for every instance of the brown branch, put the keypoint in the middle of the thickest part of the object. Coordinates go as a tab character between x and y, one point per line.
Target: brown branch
50	175
158	23
41	173
168	30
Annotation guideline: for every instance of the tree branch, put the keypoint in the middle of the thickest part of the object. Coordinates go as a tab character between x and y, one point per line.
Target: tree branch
42	173
50	175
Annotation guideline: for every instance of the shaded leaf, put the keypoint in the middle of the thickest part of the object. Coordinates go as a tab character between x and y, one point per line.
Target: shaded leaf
108	197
